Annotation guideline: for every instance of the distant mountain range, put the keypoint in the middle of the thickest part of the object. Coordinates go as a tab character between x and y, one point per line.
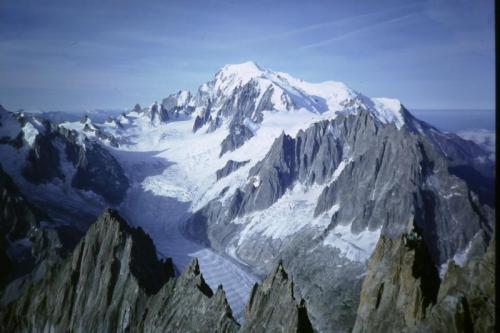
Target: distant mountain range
58	117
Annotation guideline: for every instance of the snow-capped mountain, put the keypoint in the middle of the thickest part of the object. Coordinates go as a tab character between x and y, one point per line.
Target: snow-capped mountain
260	166
50	162
57	117
239	94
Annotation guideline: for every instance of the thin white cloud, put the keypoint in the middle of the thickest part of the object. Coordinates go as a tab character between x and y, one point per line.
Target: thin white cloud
334	23
357	31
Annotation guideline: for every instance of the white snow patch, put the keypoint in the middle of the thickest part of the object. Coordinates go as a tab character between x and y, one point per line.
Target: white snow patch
232	76
161	186
182	98
74	125
452	194
388	110
335	208
30	133
252	126
460	256
256	181
340	168
334	94
356	247
291	213
123	120
459	259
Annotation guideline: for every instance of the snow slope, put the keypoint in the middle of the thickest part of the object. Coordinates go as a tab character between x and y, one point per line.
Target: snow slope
161	211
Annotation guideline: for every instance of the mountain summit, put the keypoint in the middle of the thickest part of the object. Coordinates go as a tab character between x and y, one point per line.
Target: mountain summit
261	167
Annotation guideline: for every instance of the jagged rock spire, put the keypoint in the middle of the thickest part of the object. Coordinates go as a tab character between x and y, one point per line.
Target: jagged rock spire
272	306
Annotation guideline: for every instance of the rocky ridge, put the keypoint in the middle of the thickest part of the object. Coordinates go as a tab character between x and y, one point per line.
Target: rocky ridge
113	282
402	291
29	240
55	153
272	306
374	176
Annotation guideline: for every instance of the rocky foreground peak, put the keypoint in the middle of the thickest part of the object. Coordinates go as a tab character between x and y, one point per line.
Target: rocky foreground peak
113	282
402	291
272	305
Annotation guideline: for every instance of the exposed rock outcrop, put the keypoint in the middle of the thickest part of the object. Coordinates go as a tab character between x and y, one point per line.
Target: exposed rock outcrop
177	105
56	153
114	283
98	171
402	291
29	240
466	298
43	161
378	175
229	168
272	306
375	176
171	108
401	284
17	215
244	107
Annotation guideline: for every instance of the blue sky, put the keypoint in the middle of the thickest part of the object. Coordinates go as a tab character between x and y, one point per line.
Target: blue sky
77	55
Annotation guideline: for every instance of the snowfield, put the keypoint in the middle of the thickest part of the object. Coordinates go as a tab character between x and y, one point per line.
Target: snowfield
161	215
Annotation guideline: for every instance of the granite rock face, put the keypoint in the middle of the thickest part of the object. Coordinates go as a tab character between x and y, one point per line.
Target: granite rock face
229	168
171	108
402	291
98	171
272	306
466	299
55	154
43	161
177	105
17	215
243	106
29	239
114	283
401	284
376	176
388	175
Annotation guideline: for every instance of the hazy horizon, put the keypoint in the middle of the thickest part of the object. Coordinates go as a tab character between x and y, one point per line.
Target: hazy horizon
462	119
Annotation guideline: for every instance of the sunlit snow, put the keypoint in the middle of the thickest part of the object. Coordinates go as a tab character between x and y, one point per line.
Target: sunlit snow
356	247
30	133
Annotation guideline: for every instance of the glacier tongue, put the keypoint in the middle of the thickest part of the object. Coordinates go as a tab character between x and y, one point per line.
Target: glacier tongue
162	215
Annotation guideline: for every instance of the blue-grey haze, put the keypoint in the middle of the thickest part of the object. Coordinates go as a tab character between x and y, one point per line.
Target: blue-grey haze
458	120
77	55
